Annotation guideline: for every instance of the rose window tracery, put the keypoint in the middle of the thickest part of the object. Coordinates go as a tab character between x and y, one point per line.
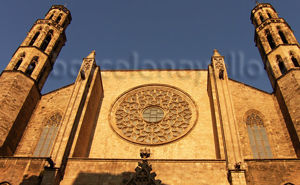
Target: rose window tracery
153	114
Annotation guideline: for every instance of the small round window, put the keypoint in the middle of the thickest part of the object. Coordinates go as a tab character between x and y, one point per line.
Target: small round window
153	114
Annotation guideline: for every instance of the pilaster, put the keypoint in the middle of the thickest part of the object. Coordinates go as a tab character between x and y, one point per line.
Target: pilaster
225	115
73	113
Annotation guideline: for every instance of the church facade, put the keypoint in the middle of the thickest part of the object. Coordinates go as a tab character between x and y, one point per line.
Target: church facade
150	127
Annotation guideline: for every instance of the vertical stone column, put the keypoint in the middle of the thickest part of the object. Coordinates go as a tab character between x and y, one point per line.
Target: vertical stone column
226	116
73	113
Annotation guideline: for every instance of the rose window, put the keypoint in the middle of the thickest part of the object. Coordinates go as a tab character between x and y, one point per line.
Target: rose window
153	114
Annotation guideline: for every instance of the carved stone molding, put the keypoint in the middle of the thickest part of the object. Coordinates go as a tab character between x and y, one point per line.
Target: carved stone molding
254	117
53	119
219	65
153	114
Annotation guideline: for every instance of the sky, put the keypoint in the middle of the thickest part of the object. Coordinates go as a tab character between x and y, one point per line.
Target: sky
184	33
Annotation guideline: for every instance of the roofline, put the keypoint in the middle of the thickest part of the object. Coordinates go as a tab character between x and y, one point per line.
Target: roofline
58	89
252	87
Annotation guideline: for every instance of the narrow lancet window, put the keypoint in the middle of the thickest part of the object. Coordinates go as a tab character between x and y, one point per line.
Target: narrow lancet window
270	39
30	68
258	137
47	41
281	65
282	36
48	135
294	60
269	15
18	64
32	65
34	38
58	19
51	17
261	17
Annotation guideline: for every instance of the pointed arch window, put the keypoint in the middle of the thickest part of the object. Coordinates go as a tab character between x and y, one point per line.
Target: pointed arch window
58	19
51	16
18	64
34	38
32	65
289	183
47	40
48	135
261	17
269	15
281	65
270	39
294	60
257	135
282	36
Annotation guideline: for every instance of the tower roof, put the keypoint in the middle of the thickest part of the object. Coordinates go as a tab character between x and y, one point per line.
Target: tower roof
92	55
216	53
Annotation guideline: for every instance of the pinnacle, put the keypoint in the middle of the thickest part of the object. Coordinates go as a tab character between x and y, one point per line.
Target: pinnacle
92	55
216	53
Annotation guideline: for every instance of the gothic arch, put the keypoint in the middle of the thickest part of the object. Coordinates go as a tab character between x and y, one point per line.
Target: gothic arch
50	127
19	60
281	64
47	40
34	38
255	123
294	59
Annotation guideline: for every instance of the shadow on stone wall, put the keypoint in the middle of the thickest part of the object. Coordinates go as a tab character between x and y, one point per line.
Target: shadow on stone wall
31	180
103	179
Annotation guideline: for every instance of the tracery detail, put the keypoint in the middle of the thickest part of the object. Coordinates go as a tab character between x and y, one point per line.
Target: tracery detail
257	135
48	135
175	114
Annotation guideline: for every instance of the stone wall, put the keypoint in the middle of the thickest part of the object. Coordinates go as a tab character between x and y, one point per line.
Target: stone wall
199	143
18	98
246	98
22	171
170	172
273	172
49	103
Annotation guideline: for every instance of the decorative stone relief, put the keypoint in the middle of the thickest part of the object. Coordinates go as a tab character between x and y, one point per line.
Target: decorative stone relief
53	120
153	114
254	118
87	63
219	64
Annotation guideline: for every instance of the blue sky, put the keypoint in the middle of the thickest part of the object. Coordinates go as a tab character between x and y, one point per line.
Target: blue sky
184	32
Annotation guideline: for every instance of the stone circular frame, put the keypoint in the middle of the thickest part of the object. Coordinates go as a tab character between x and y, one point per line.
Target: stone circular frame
179	114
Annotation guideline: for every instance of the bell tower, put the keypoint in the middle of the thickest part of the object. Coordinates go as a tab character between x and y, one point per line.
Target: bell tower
280	53
37	54
26	73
